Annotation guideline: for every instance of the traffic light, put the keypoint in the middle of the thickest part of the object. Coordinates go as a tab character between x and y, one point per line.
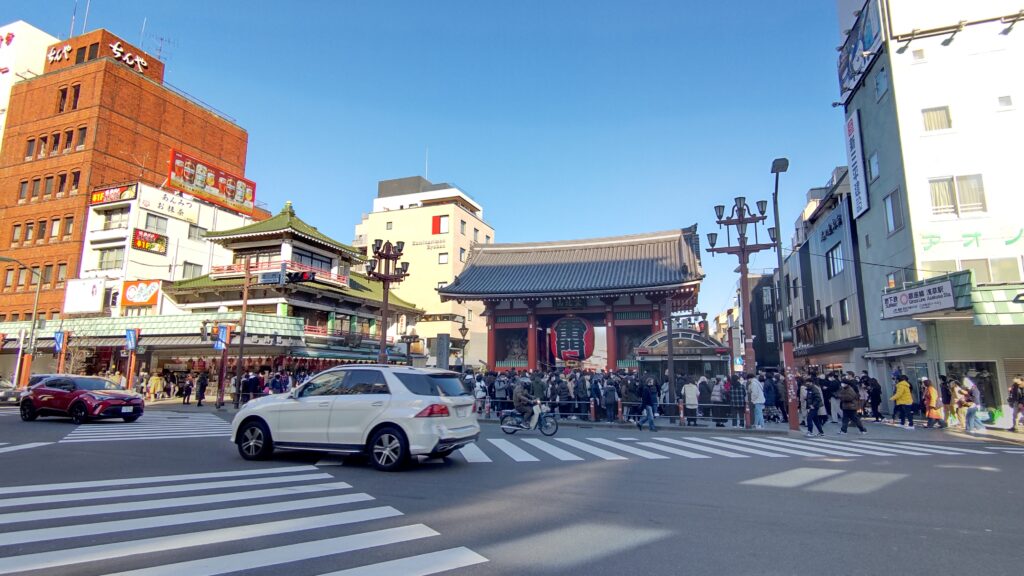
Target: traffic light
292	277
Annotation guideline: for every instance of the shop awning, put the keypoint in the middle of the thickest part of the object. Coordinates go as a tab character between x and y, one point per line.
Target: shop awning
892	352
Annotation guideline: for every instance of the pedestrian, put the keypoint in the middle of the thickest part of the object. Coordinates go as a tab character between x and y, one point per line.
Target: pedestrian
904	400
972	401
768	385
201	384
738	400
930	399
480	394
831	393
718	407
849	403
875	398
611	401
815	408
691	395
757	398
648	403
948	408
1016	401
186	390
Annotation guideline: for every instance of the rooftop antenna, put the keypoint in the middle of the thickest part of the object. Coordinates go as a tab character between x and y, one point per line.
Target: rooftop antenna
74	10
142	35
85	21
162	41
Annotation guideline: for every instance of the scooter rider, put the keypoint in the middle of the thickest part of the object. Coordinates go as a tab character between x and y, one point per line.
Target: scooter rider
526	404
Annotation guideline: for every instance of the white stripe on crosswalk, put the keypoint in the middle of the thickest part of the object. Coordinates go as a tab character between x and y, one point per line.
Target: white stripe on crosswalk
745	447
931	450
810	445
93	529
758	446
866	450
473	453
66	556
512	451
893	448
156	479
629	449
963	450
253	559
695	446
77	496
563	455
138	506
17	447
421	565
129	438
602	454
670	450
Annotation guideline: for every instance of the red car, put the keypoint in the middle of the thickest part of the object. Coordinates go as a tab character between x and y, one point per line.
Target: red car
82	398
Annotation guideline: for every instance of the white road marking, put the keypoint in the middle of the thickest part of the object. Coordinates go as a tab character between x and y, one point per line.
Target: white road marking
901	449
825	449
692	443
629	449
602	454
514	452
473	453
156	479
732	442
17	447
939	447
555	451
671	450
850	446
421	565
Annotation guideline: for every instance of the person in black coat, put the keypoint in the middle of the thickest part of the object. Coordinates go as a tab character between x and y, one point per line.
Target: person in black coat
201	385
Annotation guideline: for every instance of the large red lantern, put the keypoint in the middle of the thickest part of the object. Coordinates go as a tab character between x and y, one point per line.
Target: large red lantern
572	338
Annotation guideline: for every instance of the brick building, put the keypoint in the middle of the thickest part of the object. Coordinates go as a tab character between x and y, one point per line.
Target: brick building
99	114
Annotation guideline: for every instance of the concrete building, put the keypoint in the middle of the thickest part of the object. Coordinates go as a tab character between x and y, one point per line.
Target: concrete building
440	224
22	55
932	124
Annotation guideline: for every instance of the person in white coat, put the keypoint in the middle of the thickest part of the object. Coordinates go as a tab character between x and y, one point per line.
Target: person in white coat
690	394
755	392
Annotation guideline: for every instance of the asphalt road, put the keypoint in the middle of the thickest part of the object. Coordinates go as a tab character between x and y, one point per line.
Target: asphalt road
169	495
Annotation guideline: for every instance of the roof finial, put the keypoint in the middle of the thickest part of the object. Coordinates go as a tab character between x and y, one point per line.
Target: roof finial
288	208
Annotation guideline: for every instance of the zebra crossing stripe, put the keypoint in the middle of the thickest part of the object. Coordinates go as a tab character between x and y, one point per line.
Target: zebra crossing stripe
694	444
671	450
253	559
963	450
93	529
756	447
155	437
866	450
893	448
421	565
77	496
563	455
155	479
17	447
138	506
629	449
512	451
64	557
602	454
473	453
809	445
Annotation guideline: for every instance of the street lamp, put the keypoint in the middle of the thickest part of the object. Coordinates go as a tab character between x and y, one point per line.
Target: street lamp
780	165
386	256
24	371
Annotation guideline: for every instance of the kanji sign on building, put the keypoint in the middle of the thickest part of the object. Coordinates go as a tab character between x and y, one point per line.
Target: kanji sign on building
115	194
169	204
918	300
149	241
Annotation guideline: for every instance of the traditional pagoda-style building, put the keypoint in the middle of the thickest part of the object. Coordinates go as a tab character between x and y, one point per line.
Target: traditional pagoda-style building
589	301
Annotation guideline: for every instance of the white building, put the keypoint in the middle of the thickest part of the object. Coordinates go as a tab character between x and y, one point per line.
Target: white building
137	236
22	55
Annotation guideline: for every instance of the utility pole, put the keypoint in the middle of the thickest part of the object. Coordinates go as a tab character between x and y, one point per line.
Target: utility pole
241	330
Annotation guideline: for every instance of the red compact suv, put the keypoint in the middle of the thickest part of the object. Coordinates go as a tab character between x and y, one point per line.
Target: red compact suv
82	398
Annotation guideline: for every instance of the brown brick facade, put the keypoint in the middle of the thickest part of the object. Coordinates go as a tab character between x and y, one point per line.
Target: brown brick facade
122	124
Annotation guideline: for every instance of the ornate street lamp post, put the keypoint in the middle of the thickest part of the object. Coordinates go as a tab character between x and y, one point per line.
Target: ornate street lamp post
741	217
384	266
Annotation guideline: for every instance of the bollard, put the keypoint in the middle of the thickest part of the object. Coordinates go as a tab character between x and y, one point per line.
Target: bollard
682	417
746	416
593	410
618	410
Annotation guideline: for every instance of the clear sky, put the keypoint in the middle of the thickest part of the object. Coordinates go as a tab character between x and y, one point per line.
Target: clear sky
565	119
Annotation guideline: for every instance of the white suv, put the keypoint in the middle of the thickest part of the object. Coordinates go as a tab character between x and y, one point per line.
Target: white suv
389	413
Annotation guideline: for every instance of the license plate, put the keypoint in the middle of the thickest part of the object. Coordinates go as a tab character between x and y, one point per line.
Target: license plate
461	411
127	409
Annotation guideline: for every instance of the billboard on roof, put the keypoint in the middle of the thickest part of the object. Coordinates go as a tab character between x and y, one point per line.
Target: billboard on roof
210	183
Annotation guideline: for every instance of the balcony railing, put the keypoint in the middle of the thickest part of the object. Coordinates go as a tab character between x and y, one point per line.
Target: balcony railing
323	332
275	266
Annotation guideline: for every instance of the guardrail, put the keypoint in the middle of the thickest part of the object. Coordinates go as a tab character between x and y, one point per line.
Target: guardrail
313	330
275	266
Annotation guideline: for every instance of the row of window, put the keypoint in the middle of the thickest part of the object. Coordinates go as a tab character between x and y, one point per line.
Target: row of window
61	142
27	316
844	313
46	230
50	186
21	278
113	259
442	257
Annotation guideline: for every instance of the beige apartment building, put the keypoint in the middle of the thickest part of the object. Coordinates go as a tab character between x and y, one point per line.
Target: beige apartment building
439	224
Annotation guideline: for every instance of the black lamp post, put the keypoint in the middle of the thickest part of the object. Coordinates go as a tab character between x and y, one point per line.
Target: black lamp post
386	256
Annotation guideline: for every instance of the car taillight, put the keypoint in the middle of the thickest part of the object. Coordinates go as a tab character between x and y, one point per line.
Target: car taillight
434	411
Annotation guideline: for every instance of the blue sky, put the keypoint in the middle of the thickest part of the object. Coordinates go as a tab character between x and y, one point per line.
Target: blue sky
565	119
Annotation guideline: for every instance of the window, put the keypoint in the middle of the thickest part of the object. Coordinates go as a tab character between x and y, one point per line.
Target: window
365	382
42	146
190	270
892	279
55	228
325	384
30	148
979	270
22	277
55	147
796	286
312	260
769	333
957	195
893	212
23	190
116	219
476	235
14	317
111	258
196	232
462	227
439	384
441	285
469	315
487	239
62	273
80	140
47	274
873	167
442	258
80	55
439	225
9	278
62	98
16	234
42	230
35	188
75	178
936	119
68	134
94	50
828	317
30	229
834	260
76	91
844	312
62	183
69	225
48	187
1005	101
156	223
881	84
1004	270
389	225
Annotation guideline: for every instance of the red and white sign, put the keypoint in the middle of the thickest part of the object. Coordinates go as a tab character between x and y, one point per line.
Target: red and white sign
140	293
115	194
210	183
572	338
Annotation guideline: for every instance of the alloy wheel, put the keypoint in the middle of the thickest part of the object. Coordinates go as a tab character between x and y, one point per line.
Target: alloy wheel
252	441
387	449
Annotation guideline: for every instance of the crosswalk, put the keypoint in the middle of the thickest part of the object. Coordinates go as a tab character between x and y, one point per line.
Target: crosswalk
6	447
491	450
153	425
203	524
8	411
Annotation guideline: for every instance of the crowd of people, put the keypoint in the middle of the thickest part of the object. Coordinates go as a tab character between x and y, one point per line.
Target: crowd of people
166	384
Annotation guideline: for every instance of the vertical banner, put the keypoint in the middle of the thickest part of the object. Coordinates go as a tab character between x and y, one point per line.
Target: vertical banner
855	161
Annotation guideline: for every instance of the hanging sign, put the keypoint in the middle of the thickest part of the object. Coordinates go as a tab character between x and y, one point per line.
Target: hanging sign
572	337
149	241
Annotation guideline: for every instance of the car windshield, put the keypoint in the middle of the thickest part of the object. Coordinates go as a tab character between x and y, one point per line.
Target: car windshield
95	384
444	384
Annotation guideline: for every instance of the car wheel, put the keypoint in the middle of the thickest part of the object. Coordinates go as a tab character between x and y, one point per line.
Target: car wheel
254	442
388	450
130	418
28	411
78	414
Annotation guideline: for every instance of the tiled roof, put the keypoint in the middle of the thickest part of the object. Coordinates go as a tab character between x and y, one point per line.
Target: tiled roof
658	260
164	325
286	221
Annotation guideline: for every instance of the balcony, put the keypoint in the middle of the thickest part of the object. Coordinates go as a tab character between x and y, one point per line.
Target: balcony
351	338
235	270
109	232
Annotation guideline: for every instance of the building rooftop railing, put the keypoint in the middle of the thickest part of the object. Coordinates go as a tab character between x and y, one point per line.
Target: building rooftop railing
238	269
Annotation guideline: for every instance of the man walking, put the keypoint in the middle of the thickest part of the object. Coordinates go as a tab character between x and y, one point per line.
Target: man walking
849	403
202	383
1016	401
649	403
738	400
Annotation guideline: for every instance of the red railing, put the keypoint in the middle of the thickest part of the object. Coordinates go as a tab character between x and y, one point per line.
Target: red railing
275	266
322	331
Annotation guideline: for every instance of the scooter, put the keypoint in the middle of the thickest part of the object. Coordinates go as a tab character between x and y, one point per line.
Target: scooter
512	421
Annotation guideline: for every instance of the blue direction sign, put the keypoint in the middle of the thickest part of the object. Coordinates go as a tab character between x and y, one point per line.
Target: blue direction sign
221	342
131	338
58	340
